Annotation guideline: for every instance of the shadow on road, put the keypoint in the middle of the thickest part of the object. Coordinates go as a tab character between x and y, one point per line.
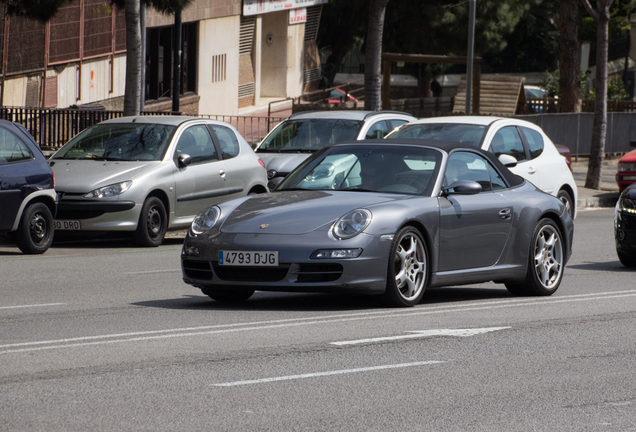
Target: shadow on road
612	266
311	302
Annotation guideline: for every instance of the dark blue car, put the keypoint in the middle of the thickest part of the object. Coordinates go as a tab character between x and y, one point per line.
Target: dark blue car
27	190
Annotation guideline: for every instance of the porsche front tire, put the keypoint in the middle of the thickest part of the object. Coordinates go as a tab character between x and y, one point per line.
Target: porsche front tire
407	273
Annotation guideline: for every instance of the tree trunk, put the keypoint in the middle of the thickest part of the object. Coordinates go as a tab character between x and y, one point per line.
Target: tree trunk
133	58
373	55
569	81
599	128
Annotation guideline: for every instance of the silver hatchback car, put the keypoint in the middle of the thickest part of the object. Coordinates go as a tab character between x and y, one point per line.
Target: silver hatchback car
150	174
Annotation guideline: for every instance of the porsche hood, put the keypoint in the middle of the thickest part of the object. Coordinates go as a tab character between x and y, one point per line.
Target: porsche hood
297	212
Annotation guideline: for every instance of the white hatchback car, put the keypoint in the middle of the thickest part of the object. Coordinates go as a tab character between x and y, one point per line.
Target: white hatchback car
304	133
535	157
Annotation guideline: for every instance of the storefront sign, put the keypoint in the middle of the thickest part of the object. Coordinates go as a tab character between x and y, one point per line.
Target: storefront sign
256	7
297	16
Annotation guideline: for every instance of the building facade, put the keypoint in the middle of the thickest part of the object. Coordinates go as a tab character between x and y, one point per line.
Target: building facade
235	55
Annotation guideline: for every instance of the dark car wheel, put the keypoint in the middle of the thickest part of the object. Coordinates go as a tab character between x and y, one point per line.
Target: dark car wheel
566	199
153	223
228	295
627	260
408	268
35	231
545	262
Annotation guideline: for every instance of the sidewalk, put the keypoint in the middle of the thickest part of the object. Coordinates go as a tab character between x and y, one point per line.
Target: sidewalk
590	198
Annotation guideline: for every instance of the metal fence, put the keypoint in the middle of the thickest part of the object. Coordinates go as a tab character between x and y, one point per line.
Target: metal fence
52	128
574	130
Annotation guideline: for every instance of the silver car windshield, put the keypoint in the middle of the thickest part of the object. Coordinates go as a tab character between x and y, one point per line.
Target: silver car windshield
468	134
391	169
119	141
310	135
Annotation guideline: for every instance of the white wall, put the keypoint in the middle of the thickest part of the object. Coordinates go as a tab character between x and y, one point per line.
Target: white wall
295	59
14	92
274	54
218	36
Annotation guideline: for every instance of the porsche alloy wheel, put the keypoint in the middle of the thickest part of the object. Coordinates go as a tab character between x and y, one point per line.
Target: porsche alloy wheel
408	268
546	262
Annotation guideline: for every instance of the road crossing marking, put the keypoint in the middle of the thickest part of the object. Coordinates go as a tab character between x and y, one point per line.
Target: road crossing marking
329	373
424	333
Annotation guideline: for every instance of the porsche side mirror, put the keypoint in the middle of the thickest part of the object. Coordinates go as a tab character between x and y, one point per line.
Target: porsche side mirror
184	160
508	161
462	187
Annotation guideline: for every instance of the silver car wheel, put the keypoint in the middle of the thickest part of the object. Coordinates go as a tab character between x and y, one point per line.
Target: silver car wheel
408	268
548	257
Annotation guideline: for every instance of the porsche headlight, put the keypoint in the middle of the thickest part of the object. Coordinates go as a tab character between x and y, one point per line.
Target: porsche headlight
627	205
351	224
110	191
205	220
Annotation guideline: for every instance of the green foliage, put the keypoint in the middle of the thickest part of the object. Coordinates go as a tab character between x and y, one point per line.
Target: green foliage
167	7
616	89
615	86
550	83
41	10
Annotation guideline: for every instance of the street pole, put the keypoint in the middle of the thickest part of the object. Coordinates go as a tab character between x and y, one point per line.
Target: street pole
142	24
471	50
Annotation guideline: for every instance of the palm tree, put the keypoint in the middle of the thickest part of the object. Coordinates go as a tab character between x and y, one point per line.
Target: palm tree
132	92
569	77
599	129
373	54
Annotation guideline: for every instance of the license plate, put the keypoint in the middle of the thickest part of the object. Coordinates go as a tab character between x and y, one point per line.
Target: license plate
251	258
67	225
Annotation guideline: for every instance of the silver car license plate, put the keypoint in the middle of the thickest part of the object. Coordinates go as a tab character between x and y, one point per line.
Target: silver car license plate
251	258
68	225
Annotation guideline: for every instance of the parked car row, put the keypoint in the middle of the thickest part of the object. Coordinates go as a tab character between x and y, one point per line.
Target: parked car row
147	175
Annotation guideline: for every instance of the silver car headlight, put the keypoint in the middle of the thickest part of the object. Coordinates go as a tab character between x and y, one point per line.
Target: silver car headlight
352	224
110	190
627	205
205	220
321	172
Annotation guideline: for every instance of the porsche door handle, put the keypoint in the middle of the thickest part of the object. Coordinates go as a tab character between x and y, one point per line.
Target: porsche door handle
222	174
504	213
531	170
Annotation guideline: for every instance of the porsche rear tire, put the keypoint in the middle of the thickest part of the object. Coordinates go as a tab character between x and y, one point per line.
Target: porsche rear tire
545	262
407	274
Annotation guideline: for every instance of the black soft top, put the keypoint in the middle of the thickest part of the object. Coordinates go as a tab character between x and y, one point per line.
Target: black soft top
448	147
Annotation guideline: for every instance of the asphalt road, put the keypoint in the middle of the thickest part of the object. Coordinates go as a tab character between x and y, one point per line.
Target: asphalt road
101	335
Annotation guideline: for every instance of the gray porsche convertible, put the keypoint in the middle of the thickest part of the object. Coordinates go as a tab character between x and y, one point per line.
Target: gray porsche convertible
388	217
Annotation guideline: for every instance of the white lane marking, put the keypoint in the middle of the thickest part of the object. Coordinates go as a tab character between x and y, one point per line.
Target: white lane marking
32	305
424	333
330	373
152	271
265	325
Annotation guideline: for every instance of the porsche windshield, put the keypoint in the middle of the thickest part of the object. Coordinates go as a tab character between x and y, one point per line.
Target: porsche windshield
468	134
120	142
392	169
310	135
